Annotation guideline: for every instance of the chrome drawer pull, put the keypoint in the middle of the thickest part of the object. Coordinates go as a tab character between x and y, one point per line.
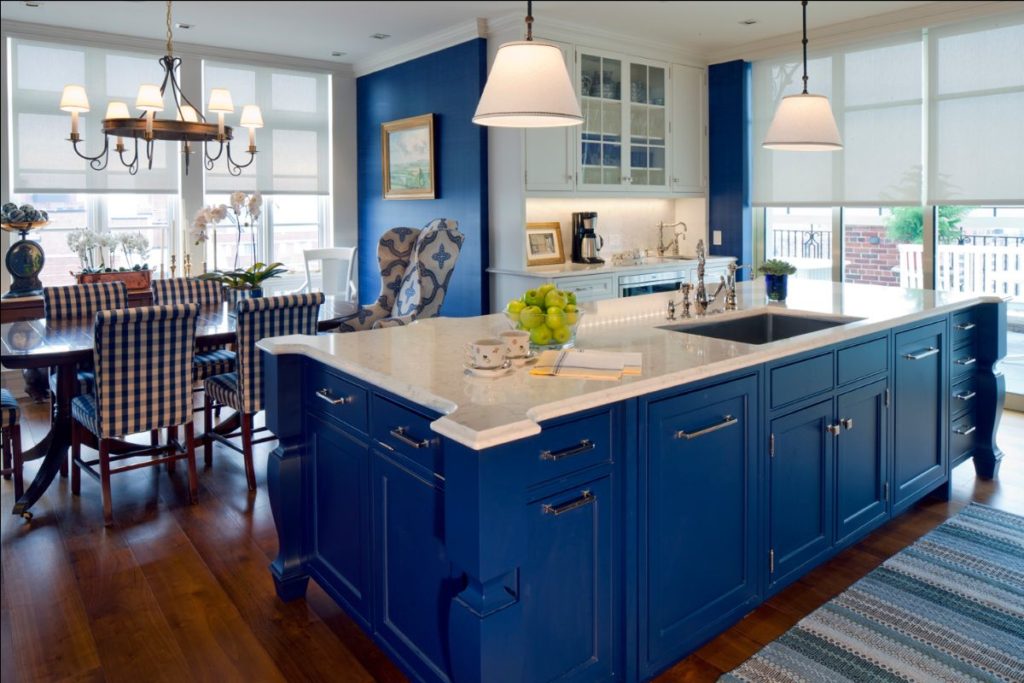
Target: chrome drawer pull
965	395
930	351
403	436
970	360
965	326
834	430
964	432
582	447
586	498
847	423
727	421
326	395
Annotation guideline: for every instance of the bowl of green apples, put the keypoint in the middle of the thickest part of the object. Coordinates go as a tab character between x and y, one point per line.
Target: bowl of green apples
549	314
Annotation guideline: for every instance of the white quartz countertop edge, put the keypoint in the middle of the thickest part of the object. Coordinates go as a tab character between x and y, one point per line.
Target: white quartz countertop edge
520	428
580	269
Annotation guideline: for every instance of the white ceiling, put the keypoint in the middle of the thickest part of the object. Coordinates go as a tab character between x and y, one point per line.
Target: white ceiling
313	30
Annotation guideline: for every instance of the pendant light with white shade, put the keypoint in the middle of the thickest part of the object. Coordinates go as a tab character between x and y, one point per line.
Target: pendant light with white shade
528	87
804	122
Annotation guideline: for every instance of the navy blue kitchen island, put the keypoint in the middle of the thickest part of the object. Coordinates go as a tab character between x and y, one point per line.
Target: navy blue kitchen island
479	533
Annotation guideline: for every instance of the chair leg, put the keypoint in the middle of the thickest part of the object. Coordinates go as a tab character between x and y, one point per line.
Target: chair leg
193	478
7	431
108	513
208	427
53	416
172	436
154	437
76	456
250	471
19	485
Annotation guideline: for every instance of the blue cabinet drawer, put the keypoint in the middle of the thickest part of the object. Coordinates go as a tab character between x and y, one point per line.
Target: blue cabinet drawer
569	447
965	359
801	379
964	395
862	360
963	328
962	433
333	396
407	432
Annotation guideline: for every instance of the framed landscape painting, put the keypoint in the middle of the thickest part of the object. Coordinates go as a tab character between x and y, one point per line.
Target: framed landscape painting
408	149
544	244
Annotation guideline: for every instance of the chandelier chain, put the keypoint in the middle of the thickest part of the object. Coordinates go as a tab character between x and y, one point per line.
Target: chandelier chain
170	36
804	4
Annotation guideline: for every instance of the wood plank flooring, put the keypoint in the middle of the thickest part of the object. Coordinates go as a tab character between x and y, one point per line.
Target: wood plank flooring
177	592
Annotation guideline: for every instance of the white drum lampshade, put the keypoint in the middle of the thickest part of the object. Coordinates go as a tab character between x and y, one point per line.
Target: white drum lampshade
528	87
74	99
804	123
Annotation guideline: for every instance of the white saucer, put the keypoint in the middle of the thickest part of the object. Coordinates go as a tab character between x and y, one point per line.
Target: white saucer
525	360
489	372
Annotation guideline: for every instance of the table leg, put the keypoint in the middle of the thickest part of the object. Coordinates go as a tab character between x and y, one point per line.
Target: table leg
56	442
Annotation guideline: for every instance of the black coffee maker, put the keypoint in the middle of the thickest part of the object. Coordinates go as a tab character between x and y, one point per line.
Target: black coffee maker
585	241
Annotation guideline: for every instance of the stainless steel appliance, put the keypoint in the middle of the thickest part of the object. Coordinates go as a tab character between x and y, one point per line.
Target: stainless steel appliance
652	283
585	240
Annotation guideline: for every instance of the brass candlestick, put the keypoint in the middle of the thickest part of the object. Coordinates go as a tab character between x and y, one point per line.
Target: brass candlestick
188	265
174	265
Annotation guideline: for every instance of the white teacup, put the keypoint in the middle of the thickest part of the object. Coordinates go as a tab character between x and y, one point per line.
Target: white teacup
486	353
517	343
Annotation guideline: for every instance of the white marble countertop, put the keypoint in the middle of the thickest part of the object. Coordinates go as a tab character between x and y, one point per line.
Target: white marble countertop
423	361
649	264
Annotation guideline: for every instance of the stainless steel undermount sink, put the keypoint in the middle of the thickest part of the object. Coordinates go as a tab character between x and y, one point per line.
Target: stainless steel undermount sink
760	328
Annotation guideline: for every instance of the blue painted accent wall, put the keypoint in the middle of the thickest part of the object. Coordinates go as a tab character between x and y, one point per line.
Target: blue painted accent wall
729	159
448	84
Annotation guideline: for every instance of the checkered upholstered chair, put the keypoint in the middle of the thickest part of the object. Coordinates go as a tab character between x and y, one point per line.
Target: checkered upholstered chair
143	359
210	360
10	432
242	390
416	267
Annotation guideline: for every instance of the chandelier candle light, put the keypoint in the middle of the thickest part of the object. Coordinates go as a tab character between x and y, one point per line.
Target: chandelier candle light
804	122
188	125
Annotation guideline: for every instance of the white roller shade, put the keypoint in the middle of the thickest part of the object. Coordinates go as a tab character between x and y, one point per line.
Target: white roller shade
42	158
294	144
976	110
875	90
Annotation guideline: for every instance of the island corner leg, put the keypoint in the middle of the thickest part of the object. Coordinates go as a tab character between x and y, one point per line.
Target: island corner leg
991	392
284	488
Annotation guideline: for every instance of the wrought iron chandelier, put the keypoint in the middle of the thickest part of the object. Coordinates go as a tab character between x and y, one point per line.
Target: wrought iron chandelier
188	126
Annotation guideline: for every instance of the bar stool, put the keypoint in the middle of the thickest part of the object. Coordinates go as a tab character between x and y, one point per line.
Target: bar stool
10	430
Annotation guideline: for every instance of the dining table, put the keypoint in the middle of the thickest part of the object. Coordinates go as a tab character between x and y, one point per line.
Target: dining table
62	345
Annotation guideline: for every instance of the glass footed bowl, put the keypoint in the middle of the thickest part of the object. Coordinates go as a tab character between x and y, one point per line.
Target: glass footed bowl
559	339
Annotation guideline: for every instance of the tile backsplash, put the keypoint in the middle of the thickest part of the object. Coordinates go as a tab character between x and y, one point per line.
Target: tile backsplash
625	224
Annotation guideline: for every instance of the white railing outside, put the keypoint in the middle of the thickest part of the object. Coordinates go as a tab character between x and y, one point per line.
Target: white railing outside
967	268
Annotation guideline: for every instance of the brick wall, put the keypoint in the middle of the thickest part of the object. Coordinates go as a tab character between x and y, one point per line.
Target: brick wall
870	256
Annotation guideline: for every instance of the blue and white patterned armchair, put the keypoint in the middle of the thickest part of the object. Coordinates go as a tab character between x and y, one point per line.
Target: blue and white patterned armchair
416	267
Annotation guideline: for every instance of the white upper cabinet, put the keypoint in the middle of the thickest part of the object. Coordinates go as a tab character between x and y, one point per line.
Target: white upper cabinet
688	135
550	162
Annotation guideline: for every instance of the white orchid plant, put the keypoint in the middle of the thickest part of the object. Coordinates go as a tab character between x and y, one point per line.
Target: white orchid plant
244	210
92	246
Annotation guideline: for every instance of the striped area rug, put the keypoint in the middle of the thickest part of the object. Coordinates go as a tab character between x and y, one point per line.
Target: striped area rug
948	608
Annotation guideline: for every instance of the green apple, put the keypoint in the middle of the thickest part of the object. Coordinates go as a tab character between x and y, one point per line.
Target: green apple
571	314
540	335
513	309
533	297
546	287
555	318
530	317
562	334
554	300
570	297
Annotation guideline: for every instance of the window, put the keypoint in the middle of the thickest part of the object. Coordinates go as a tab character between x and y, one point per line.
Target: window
803	237
883	246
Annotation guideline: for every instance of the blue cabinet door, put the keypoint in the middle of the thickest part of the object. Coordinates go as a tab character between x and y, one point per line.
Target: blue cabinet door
566	586
801	493
698	515
415	586
340	468
861	460
919	453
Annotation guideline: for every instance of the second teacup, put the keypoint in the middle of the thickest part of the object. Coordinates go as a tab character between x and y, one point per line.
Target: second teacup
486	353
517	343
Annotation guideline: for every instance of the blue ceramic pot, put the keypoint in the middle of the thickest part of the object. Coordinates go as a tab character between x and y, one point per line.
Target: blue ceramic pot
775	285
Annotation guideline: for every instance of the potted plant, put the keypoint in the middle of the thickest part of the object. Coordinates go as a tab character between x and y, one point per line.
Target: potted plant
93	250
776	272
245	283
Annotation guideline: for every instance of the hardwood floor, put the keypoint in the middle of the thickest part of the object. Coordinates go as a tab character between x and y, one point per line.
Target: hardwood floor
178	592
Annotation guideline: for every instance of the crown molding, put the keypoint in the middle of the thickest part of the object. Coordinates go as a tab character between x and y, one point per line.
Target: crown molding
24	29
913	18
440	40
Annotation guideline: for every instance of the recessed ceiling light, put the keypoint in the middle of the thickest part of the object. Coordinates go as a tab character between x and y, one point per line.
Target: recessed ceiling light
748	22
185	26
338	53
381	36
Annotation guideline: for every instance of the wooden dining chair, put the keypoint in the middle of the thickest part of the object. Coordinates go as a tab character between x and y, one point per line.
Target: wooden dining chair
242	390
10	432
143	360
210	359
336	266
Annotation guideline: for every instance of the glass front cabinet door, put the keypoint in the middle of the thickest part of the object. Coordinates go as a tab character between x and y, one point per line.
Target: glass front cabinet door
624	132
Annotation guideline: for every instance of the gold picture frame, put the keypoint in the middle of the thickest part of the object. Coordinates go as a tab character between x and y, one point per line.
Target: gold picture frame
407	150
544	244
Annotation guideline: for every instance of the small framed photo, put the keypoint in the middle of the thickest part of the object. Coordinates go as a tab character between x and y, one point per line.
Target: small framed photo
544	244
407	148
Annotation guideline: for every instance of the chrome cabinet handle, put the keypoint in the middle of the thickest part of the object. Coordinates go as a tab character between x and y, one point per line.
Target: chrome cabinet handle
833	429
970	360
582	447
325	394
727	421
586	498
403	436
847	423
965	395
930	351
964	432
965	326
